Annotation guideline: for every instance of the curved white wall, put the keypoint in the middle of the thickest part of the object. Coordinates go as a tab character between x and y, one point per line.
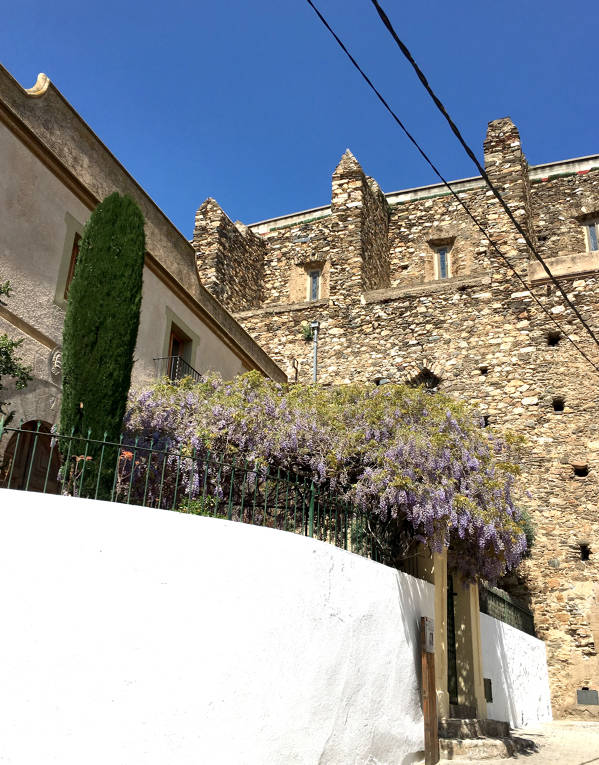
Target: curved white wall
516	663
133	635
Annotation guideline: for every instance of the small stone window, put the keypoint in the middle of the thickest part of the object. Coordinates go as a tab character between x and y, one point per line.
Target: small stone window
426	379
553	338
486	420
592	235
580	470
314	284
484	370
585	551
442	263
559	403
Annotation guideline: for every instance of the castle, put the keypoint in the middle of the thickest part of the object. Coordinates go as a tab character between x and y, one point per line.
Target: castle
406	288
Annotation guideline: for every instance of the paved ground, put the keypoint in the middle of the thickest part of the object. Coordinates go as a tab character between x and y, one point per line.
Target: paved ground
558	743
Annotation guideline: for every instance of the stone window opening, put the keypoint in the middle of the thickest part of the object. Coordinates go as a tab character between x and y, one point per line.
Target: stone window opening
442	262
585	551
426	379
559	403
580	470
314	284
308	279
486	420
484	370
553	338
592	235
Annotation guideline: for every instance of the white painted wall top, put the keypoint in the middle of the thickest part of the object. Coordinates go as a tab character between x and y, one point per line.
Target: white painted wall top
133	635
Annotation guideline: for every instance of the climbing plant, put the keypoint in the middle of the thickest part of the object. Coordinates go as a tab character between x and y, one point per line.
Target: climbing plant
418	463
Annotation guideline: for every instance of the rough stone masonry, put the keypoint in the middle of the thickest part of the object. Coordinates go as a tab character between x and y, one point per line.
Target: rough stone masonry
387	311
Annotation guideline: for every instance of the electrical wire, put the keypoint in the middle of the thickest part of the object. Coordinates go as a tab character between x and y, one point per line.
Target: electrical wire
402	46
427	159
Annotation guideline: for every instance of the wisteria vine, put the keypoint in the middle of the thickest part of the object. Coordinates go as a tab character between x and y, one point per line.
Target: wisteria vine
419	464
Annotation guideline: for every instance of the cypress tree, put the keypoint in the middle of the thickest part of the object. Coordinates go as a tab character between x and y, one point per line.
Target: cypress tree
102	319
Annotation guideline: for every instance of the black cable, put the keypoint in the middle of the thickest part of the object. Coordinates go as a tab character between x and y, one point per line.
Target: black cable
446	183
385	19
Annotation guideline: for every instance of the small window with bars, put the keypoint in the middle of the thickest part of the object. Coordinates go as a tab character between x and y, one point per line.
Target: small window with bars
314	285
592	231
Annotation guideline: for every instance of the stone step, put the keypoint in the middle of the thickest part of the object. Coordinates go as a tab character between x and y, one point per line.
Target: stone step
474	749
462	711
456	727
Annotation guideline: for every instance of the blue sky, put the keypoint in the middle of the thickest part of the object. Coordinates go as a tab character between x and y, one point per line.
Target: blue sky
252	103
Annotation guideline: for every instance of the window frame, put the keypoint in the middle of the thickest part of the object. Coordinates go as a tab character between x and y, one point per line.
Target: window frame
314	272
186	343
75	249
592	223
66	267
446	251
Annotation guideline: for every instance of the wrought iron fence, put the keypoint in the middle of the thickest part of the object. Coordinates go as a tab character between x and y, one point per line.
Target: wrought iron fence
175	368
185	481
500	605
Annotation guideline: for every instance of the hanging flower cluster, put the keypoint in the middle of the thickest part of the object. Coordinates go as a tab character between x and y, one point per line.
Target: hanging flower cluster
419	464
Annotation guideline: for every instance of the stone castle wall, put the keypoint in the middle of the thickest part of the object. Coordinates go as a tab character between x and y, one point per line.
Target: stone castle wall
486	340
230	258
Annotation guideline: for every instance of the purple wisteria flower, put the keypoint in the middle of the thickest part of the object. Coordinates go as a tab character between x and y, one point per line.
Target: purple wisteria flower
420	466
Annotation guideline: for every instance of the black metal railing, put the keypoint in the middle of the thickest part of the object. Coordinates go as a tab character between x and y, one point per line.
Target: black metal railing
500	605
140	473
175	368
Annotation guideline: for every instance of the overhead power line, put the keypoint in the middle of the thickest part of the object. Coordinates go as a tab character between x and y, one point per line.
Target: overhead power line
402	46
462	204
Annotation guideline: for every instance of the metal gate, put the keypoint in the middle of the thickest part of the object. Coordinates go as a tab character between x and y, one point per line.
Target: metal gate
452	668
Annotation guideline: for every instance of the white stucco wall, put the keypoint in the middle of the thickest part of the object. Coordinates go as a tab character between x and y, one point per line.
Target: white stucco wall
516	663
160	308
39	217
133	635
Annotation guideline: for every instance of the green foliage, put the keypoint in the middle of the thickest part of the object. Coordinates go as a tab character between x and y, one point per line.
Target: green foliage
10	363
306	331
102	320
207	506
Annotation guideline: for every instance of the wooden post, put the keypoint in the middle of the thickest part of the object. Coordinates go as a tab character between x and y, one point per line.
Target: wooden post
429	693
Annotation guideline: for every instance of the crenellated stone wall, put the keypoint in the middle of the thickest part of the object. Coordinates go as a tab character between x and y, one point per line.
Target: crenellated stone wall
561	205
480	333
230	258
507	168
376	264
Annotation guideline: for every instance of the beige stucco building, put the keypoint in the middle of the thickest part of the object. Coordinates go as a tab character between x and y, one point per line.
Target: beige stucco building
55	170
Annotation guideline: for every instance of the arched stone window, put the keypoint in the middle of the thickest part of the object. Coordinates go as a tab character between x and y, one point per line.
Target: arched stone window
426	375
